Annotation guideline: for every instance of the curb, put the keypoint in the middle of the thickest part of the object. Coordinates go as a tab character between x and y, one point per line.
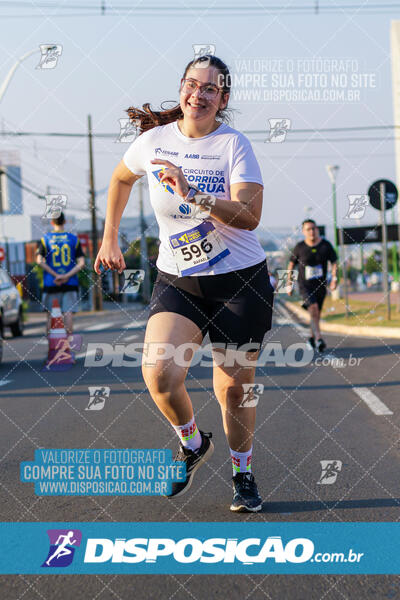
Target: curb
375	332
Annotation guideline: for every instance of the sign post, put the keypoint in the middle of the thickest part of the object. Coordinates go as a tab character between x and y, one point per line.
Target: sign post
343	255
386	289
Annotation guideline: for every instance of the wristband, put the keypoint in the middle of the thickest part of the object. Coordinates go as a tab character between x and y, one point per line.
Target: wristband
194	196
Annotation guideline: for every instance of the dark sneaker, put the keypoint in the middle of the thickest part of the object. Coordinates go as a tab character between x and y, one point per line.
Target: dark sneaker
245	497
193	459
311	343
321	346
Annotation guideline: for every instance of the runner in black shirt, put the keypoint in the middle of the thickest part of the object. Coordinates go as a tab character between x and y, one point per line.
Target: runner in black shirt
312	256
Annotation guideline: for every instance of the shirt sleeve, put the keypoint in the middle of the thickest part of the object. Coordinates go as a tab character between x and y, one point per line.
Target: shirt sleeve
41	249
245	167
78	250
332	256
294	257
134	157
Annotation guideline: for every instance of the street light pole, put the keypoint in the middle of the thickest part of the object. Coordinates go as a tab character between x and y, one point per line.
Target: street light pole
97	288
11	72
332	174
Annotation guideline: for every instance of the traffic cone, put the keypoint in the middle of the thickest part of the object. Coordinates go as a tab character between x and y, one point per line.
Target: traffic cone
57	334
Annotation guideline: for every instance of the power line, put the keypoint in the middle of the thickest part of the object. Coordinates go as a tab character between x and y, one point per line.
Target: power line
210	7
22	186
233	10
360	139
247	132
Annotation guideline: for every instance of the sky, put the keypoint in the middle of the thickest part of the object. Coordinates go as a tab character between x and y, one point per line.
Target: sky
110	62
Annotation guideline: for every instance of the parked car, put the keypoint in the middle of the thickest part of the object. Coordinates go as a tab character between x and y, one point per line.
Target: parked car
10	308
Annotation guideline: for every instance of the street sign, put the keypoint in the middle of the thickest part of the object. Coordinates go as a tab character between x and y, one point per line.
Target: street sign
2	253
371	234
391	194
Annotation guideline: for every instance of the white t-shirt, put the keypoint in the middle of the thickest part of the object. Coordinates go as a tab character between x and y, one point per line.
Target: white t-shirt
212	163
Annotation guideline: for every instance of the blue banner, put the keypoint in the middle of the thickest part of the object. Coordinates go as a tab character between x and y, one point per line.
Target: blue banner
205	548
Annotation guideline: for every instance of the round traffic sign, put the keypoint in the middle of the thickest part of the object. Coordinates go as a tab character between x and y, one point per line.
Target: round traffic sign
391	194
2	253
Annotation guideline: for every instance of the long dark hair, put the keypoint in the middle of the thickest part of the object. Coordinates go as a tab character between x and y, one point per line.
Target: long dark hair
147	118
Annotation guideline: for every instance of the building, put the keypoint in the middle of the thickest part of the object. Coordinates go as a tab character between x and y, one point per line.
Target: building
11	191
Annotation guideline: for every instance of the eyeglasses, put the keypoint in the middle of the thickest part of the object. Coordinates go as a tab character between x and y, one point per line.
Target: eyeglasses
208	89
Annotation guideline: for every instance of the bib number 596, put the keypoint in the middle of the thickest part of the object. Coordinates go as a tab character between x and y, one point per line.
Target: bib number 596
194	251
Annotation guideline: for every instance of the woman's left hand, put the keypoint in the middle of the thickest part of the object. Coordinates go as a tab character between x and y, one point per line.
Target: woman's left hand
172	175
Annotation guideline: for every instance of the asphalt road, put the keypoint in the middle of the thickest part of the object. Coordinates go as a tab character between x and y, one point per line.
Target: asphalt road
307	413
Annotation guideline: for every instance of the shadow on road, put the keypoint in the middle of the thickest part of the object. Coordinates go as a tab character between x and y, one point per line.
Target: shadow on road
302	506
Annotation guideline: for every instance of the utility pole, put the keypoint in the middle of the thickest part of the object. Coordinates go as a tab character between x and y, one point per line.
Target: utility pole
97	288
144	261
3	203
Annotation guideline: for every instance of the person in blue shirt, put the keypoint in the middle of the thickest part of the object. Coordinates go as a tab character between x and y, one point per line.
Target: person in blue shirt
61	257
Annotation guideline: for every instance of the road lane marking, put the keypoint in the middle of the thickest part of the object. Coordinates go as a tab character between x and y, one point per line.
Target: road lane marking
136	324
35	331
131	337
5	381
372	401
99	326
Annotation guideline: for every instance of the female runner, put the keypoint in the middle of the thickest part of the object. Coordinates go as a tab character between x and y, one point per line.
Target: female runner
206	191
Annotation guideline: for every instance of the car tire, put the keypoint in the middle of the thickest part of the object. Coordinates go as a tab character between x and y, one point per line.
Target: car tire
17	328
1	340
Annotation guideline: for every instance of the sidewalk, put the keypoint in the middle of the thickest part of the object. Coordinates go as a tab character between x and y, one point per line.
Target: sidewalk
373	297
40	317
375	332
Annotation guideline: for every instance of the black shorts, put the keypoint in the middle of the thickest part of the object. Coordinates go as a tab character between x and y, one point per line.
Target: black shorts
313	293
234	308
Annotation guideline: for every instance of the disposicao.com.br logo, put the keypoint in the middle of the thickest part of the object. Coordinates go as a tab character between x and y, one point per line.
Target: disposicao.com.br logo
247	551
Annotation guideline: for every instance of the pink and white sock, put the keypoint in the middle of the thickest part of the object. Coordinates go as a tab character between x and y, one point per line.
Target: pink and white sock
241	461
189	435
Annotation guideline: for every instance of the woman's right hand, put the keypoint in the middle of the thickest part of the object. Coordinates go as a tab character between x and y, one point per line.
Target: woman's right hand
110	256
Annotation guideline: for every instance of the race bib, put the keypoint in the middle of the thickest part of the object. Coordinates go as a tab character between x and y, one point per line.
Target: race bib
197	248
314	272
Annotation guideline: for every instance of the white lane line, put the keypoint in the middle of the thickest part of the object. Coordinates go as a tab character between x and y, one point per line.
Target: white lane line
372	401
136	324
131	337
35	331
5	381
99	326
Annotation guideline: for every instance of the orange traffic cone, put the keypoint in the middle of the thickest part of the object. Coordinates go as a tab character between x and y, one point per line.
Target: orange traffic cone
59	346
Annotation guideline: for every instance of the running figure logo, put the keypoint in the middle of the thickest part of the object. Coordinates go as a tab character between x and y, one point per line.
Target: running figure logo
203	50
278	129
357	206
50	54
128	130
97	397
251	394
65	348
55	203
330	470
285	283
62	547
133	279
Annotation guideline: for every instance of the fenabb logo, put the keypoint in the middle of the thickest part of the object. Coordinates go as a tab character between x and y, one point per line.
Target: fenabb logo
190	550
159	151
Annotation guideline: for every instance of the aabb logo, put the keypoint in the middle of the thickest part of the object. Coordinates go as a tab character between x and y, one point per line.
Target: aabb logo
192	155
62	547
